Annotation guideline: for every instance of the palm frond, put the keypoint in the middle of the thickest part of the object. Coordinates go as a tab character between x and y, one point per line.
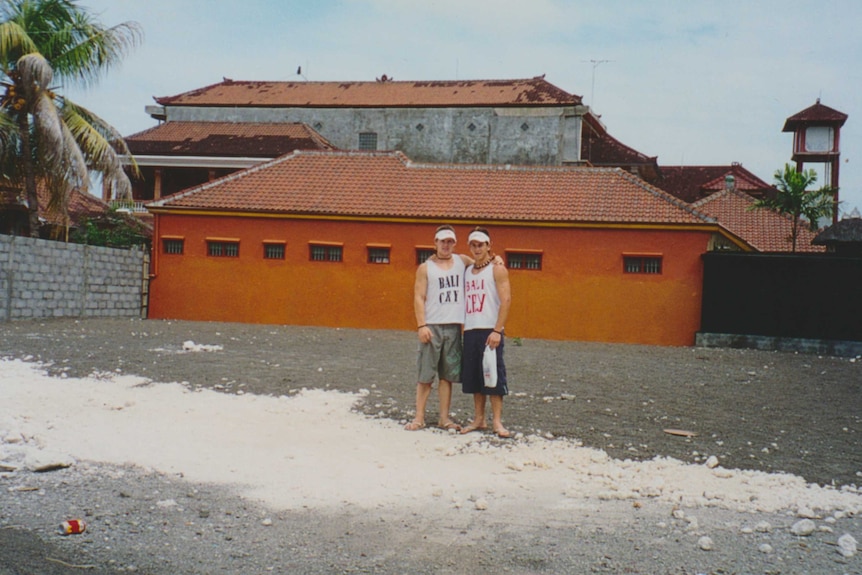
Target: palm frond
96	139
92	50
14	43
45	140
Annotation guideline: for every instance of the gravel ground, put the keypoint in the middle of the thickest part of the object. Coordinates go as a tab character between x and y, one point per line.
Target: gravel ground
755	410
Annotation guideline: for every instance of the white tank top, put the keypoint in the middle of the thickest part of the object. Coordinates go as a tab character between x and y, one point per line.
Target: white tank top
482	299
444	296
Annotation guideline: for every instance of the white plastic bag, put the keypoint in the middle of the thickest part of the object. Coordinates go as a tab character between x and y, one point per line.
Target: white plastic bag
489	366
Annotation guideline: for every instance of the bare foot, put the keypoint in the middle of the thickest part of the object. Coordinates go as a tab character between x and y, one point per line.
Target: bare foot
473	427
503	432
449	425
414	425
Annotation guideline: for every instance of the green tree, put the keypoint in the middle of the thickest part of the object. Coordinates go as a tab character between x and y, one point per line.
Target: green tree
793	199
45	139
112	229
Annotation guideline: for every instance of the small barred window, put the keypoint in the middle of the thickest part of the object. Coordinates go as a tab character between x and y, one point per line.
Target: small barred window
173	246
325	253
523	261
378	255
223	249
273	251
422	255
367	140
642	265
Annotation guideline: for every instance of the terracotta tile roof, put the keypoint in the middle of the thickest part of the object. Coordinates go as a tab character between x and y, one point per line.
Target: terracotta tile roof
529	92
81	205
692	183
388	184
816	114
764	230
225	139
602	149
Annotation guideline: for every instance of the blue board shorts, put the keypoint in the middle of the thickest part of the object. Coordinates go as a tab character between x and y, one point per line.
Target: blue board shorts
472	378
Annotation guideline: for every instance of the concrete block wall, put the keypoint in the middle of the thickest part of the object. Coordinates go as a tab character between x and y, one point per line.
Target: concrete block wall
471	135
46	279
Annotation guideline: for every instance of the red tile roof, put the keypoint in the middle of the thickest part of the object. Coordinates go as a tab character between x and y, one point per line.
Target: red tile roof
818	114
81	205
450	93
388	184
602	149
692	183
225	139
763	229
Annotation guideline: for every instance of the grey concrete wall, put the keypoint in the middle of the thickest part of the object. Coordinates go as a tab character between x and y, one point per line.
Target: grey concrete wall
45	279
523	136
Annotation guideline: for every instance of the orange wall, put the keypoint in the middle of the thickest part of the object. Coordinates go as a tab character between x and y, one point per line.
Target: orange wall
580	294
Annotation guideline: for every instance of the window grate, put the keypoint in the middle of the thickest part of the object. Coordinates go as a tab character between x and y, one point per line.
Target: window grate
321	253
367	140
174	247
273	251
642	265
378	255
523	261
223	249
422	255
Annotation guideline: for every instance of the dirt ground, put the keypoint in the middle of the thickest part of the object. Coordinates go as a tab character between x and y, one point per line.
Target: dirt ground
756	410
770	411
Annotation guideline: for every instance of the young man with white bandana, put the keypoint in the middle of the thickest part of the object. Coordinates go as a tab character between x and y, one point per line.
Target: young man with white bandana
438	303
488	298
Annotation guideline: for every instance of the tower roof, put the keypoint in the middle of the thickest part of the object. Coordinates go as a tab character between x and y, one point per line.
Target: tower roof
818	115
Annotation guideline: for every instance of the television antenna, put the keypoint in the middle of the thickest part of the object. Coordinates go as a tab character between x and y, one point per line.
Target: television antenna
596	64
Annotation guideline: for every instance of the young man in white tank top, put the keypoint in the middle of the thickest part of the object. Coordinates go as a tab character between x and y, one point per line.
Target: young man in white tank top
438	302
488	298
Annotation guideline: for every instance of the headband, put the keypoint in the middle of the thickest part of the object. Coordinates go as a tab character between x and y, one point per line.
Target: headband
445	235
479	237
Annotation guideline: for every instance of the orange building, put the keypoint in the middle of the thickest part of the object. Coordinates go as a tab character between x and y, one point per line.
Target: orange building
334	238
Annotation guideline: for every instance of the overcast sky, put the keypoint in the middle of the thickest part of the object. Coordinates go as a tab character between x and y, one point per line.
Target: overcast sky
692	82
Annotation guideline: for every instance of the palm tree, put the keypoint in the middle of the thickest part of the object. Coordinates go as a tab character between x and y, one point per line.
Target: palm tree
793	199
44	137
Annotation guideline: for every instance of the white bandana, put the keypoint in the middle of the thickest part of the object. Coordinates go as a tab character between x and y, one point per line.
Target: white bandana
479	237
445	235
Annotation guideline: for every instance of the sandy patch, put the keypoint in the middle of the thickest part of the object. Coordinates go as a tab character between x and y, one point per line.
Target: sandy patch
310	450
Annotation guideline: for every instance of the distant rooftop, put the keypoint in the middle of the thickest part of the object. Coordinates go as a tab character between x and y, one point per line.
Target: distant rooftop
763	229
693	183
389	93
225	139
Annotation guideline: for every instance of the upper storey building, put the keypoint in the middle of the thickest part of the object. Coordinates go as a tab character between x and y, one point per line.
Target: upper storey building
519	122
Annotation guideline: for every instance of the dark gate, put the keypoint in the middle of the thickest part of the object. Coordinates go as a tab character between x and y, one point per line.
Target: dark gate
811	296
